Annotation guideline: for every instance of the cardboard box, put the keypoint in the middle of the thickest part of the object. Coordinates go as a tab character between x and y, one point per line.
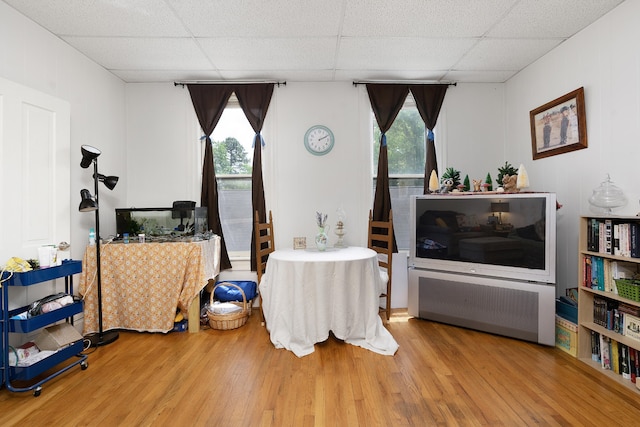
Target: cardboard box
57	336
631	326
566	336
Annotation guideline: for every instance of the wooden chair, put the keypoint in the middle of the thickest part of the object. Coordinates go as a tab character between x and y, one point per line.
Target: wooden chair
264	241
381	240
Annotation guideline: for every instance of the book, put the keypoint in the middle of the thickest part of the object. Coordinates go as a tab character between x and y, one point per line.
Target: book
624	362
634	236
632	363
615	356
605	352
592	235
608	236
595	346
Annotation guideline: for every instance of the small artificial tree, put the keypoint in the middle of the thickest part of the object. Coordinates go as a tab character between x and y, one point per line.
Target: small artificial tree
507	169
454	175
489	181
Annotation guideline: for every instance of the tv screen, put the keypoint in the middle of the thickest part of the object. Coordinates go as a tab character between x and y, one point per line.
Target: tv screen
494	234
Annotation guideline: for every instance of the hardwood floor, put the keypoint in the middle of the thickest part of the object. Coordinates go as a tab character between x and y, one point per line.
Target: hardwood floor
441	375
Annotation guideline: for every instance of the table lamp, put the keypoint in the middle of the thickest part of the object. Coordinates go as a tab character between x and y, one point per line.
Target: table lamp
500	207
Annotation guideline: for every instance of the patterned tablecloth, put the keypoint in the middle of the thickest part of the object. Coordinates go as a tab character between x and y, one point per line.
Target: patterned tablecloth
144	283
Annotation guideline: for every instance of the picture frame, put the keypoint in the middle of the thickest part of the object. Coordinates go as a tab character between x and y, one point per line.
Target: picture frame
559	126
299	243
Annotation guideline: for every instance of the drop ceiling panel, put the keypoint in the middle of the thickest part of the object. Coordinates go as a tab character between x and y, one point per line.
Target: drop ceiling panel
103	17
550	18
270	54
257	18
141	53
397	53
165	40
507	54
423	18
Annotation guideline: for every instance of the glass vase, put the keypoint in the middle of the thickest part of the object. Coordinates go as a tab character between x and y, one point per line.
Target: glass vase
321	238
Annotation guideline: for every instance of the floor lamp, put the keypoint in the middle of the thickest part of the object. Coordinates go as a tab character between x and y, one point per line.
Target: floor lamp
90	204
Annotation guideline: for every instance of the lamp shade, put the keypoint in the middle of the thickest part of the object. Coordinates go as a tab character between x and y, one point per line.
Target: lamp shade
500	207
89	153
88	204
109	181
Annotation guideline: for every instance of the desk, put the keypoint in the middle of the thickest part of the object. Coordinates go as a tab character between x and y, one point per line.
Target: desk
307	293
144	283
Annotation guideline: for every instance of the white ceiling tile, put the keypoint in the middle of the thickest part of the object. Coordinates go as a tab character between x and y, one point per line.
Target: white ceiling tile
397	53
479	76
258	18
423	18
270	53
357	75
103	17
551	18
505	54
164	40
281	76
165	76
141	53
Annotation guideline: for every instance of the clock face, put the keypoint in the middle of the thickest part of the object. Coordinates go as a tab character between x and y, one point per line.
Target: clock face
319	140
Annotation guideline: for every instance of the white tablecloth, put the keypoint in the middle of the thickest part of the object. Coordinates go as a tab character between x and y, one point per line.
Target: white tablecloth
307	293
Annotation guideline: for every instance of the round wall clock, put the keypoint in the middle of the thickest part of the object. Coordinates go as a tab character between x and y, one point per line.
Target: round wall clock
319	140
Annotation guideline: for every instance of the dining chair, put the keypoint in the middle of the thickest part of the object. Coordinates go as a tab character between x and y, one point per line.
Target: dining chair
381	240
264	241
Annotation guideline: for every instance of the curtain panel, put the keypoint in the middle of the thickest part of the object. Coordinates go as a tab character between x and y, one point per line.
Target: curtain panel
429	99
386	102
254	100
209	102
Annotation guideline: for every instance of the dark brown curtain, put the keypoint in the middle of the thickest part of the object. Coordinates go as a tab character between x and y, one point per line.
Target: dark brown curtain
254	100
429	100
209	102
386	102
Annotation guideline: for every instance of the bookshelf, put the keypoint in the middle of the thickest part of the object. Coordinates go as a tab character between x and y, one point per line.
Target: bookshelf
601	309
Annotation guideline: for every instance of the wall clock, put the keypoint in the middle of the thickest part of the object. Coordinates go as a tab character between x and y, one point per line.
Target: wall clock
319	140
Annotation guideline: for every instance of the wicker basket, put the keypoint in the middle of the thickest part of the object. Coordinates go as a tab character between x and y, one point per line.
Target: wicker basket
232	320
629	289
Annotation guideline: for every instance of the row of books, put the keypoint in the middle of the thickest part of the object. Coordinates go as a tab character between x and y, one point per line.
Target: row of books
615	356
613	237
616	316
601	273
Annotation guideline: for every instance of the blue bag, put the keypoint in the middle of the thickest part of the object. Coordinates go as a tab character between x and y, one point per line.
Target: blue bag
225	293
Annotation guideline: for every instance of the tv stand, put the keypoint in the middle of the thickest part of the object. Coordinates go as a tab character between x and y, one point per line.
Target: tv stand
517	309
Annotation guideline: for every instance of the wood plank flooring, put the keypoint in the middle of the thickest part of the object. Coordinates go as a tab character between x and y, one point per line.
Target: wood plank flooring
441	376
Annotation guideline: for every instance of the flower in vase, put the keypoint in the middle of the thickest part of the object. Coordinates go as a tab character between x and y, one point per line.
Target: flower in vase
321	219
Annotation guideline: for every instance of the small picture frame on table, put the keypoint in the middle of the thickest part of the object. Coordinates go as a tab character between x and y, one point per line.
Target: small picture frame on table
299	243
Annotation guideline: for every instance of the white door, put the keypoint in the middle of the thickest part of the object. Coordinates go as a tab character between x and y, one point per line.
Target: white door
34	171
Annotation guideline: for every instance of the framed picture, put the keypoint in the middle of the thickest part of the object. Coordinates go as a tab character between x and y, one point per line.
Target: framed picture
299	243
559	126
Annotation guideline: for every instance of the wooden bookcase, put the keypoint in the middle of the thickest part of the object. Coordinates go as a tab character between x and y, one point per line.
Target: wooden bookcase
586	296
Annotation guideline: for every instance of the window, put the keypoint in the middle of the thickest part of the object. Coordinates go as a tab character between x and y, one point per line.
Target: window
406	154
233	156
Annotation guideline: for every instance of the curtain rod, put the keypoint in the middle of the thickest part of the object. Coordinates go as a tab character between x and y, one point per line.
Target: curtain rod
226	82
403	82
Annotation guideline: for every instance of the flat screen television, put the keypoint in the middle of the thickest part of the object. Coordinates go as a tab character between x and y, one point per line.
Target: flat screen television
489	234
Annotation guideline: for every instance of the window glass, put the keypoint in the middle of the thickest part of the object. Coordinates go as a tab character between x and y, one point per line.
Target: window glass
233	156
406	154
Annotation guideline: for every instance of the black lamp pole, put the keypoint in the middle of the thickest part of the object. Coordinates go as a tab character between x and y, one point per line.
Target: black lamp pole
102	337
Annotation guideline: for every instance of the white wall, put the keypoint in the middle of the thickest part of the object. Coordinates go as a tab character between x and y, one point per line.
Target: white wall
605	60
165	157
31	56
